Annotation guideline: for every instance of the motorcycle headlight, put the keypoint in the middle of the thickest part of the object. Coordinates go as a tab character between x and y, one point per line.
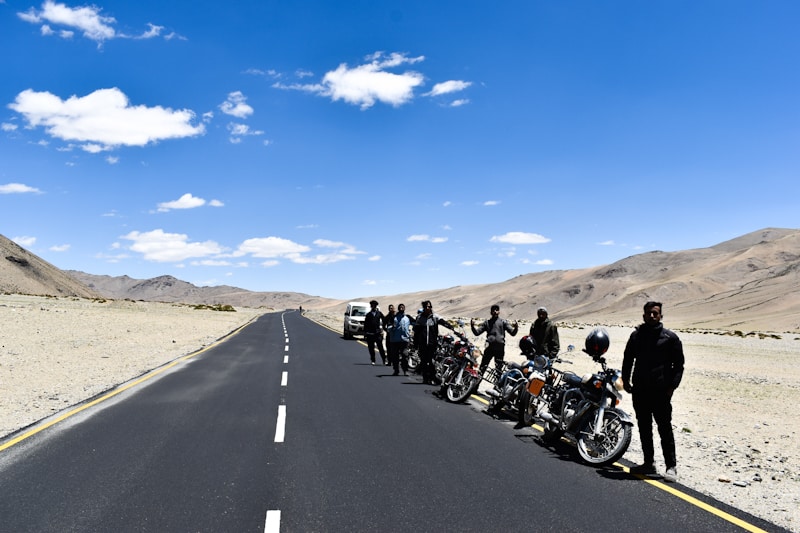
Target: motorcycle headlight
618	382
540	362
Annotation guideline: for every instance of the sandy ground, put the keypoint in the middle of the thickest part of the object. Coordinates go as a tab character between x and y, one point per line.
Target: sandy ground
735	414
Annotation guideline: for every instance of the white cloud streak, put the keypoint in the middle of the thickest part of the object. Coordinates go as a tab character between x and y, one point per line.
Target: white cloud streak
519	237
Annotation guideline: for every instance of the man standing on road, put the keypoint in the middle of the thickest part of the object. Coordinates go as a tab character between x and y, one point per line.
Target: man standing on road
426	337
399	336
655	354
373	331
388	322
545	334
495	329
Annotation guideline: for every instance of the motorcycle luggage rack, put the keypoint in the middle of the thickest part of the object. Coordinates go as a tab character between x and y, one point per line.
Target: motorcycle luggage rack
491	374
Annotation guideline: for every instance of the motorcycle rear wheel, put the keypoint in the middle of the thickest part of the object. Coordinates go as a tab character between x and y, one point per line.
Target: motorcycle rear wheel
607	447
459	391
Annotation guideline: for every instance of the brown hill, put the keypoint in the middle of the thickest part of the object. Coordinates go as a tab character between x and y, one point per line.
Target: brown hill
748	283
171	289
22	272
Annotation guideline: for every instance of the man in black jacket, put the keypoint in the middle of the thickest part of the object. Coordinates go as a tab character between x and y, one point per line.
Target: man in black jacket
655	354
373	331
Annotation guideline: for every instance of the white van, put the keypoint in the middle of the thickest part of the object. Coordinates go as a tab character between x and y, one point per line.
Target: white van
354	318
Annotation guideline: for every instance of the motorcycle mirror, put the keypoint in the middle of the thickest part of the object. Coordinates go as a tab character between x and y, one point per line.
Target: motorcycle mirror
570	348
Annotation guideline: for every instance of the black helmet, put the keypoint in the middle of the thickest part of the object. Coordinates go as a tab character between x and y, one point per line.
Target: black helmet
527	345
597	342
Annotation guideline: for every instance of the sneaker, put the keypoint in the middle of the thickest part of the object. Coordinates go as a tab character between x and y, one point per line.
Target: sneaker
644	469
671	475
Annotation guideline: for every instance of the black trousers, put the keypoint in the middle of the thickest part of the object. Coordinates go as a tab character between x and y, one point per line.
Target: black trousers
655	404
496	352
398	355
372	340
426	353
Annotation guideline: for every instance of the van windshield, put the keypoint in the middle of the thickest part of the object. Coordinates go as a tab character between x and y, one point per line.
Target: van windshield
360	311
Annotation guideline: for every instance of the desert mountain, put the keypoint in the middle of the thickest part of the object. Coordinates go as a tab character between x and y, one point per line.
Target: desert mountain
171	289
22	272
748	283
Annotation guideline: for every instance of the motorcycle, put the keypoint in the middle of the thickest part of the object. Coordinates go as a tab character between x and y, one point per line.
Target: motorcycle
508	388
445	347
543	383
585	409
460	375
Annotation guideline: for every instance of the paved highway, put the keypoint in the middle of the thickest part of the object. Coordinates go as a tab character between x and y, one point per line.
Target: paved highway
286	427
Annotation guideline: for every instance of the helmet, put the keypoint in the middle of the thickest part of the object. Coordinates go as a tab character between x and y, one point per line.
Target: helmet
527	345
597	342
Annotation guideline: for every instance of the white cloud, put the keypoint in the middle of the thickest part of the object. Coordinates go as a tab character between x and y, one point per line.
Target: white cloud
112	160
216	203
86	19
447	203
60	248
374	258
17	188
519	237
459	103
7	126
270	247
448	87
24	240
363	85
104	119
164	247
426	238
187	201
469	263
606	243
369	282
236	105
491	202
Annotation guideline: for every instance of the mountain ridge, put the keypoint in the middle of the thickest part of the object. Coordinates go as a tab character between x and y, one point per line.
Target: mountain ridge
749	282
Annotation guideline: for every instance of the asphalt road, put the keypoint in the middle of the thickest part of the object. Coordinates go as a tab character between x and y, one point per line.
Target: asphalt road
287	427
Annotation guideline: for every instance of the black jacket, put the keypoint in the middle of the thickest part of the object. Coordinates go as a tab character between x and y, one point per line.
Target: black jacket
373	323
655	354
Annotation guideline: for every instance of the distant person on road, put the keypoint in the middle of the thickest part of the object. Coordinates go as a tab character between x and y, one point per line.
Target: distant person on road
495	328
655	354
545	334
373	331
426	338
388	322
399	337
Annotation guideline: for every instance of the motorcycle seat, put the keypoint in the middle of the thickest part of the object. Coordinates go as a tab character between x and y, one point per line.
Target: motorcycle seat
572	379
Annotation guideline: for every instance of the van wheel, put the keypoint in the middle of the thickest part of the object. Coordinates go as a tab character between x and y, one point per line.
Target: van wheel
346	334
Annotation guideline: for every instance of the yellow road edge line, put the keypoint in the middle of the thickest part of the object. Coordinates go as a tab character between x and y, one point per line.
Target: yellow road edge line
122	388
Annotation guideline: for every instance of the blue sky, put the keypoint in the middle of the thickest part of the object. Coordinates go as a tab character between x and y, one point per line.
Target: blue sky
353	149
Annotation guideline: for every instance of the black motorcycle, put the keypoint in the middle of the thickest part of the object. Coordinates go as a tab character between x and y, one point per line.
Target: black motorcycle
585	408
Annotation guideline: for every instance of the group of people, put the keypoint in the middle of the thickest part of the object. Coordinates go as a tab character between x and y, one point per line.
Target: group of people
423	330
652	366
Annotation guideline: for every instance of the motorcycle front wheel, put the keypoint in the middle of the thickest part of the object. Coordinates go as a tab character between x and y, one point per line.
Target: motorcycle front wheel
526	409
413	359
459	390
607	447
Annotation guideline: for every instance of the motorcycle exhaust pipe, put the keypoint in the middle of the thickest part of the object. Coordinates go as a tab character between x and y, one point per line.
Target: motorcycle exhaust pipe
547	416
